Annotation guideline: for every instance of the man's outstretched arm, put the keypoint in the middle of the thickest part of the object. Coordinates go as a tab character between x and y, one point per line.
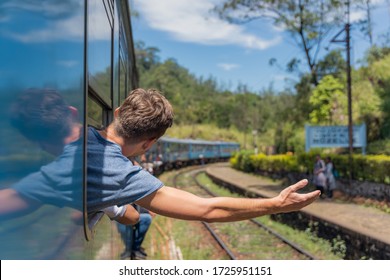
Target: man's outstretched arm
179	204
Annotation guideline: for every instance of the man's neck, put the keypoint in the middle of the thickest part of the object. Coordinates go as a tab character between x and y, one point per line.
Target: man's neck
128	149
110	135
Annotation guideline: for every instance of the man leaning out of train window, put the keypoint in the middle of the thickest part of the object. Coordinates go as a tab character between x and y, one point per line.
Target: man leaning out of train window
138	123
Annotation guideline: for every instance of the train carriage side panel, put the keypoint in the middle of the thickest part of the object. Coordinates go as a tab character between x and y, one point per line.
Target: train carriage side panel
43	61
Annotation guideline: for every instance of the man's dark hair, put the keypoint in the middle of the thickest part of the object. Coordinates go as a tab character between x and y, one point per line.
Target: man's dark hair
144	114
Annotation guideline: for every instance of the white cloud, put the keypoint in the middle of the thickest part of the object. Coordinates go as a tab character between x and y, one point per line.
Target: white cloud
192	21
227	66
67	29
357	15
62	22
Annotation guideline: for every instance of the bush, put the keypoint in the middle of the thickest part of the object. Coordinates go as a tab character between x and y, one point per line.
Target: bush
379	147
374	168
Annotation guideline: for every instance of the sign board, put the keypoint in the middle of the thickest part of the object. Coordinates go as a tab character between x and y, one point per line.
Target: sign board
335	136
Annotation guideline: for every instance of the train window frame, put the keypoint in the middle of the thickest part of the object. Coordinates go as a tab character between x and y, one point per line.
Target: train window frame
118	13
100	99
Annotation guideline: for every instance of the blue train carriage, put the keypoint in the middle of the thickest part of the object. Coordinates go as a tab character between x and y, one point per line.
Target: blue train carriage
203	150
227	149
174	153
81	52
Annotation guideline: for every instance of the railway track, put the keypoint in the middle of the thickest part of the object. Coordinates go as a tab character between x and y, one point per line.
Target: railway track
258	230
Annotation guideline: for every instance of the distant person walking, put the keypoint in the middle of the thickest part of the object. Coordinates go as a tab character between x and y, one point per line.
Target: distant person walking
319	179
330	178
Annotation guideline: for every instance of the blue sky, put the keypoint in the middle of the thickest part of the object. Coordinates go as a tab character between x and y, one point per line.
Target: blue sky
233	54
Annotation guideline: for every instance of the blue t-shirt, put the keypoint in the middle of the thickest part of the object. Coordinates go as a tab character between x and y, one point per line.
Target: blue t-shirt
112	179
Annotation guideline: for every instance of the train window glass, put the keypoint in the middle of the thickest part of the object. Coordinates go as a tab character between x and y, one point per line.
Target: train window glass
99	49
95	113
109	60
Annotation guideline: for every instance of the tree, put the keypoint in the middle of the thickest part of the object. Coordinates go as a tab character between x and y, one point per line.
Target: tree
146	56
367	105
380	77
333	63
329	102
376	53
307	21
302	105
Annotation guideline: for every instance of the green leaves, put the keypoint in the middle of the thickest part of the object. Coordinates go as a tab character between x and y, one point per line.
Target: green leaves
329	102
